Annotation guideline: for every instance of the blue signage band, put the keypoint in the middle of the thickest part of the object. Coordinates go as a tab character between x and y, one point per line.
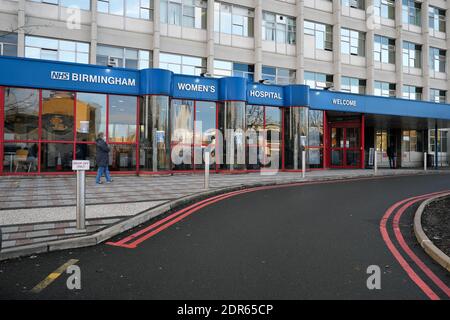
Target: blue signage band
35	73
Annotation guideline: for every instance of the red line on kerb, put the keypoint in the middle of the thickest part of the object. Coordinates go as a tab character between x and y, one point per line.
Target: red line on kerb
411	273
411	254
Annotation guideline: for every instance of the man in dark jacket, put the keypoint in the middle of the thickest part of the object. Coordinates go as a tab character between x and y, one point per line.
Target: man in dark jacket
391	154
102	158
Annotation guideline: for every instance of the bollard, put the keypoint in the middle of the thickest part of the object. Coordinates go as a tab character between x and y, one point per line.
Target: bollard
375	162
81	196
303	164
425	155
206	170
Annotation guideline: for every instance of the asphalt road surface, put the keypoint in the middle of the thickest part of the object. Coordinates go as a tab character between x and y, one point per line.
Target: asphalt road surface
312	241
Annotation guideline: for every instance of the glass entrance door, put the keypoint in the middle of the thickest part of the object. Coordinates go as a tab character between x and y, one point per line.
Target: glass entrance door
345	146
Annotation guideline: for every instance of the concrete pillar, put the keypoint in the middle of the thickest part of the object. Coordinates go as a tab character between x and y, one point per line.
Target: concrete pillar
258	40
299	41
337	45
21	29
156	32
398	48
94	33
370	65
425	52
210	37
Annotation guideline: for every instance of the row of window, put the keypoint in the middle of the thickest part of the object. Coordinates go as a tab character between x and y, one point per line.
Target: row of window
44	130
239	20
385	89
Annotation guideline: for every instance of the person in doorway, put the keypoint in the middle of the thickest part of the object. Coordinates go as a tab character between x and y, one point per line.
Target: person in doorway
391	155
102	158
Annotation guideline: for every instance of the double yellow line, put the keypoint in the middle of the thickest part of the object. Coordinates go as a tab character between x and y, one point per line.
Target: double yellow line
53	276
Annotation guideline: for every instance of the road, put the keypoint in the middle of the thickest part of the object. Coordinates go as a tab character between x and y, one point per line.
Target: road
312	241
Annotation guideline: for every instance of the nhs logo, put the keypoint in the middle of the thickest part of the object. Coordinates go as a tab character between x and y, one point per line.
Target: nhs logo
58	75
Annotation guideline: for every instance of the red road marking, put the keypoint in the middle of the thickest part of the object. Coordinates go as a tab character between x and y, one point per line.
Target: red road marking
156	224
411	254
197	206
413	275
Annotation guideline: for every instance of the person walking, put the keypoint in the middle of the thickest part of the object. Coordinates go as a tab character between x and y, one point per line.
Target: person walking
102	159
391	155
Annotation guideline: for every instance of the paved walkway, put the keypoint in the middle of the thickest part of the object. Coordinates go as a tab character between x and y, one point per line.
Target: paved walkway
42	209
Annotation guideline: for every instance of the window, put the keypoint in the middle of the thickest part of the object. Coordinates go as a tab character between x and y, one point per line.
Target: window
182	64
278	75
385	8
82	4
189	13
442	140
384	49
384	89
353	85
57	115
138	9
91	116
412	55
353	42
8	44
111	6
323	34
411	12
124	57
436	19
438	96
235	69
233	19
318	80
21	114
357	4
278	28
411	92
122	119
437	59
54	49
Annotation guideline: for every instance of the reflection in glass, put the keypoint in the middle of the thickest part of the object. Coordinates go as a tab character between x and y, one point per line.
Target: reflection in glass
122	118
154	133
273	127
255	125
84	151
56	157
181	132
232	125
20	157
315	128
57	115
205	132
90	115
122	157
295	136
21	114
315	139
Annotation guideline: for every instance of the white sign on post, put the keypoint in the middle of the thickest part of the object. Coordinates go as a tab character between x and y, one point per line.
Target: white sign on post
80	165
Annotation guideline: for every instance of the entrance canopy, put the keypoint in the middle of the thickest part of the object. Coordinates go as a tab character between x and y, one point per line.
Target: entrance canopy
390	112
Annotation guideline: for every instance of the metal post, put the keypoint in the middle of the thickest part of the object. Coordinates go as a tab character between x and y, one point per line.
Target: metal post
425	155
206	170
81	204
303	163
375	161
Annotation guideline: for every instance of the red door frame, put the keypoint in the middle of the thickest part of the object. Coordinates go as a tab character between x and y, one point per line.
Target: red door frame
345	125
